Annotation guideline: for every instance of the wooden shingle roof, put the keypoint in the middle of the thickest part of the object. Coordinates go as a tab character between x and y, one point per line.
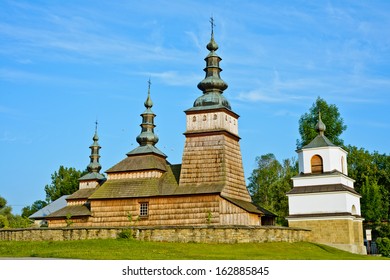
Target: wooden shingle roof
323	188
82	193
72	210
138	163
250	207
139	187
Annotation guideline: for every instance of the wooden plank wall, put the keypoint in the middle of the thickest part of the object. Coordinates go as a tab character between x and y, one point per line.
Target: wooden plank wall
183	210
231	214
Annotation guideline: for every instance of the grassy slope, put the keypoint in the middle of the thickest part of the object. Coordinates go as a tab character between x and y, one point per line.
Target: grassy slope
136	250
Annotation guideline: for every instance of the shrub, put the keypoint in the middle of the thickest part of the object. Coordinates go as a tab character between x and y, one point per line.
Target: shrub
3	221
126	234
383	245
68	220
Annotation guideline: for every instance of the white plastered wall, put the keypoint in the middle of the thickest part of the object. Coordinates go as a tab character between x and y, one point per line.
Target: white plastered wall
323	180
211	121
333	158
317	203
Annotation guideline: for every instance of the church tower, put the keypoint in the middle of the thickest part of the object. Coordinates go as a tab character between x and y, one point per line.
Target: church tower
323	198
93	178
145	161
212	155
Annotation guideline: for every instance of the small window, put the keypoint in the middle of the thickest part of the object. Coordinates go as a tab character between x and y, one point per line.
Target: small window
316	164
144	209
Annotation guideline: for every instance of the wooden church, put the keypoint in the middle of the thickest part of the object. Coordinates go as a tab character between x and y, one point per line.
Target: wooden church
144	189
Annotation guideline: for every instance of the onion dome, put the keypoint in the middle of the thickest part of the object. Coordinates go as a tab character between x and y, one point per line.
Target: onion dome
212	85
147	136
94	166
320	127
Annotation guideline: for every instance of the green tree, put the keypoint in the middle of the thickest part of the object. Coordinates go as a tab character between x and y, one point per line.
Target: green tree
283	185
29	210
5	213
371	169
63	182
5	210
263	180
270	182
3	202
17	221
7	219
3	221
373	204
330	115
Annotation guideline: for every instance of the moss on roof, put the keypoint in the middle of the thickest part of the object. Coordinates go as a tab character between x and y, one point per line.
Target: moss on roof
138	163
72	210
80	194
92	176
319	141
127	188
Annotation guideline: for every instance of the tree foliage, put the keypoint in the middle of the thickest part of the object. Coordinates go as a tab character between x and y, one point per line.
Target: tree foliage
7	219
330	115
29	210
63	182
383	244
372	180
269	183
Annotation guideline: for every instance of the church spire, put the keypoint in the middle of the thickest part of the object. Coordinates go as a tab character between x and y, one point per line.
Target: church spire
94	165
147	136
212	85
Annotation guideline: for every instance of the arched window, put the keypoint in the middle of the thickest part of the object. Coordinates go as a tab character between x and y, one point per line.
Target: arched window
316	164
353	210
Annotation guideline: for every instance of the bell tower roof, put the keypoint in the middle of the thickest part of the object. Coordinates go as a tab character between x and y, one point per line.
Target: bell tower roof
94	166
320	140
212	85
147	139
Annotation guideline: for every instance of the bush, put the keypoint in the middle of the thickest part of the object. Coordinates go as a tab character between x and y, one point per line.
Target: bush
383	245
126	234
17	221
3	221
384	230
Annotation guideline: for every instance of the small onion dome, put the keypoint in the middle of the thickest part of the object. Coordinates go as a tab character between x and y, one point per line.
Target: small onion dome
147	136
212	45
320	127
210	99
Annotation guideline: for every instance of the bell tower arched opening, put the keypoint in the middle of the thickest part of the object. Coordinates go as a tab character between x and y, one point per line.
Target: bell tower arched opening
317	165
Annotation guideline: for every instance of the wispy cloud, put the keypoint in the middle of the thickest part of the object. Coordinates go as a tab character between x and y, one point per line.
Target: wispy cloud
8	137
258	95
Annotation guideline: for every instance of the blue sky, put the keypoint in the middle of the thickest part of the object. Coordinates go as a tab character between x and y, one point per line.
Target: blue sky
64	64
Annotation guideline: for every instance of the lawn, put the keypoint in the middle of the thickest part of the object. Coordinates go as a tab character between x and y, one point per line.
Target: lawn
125	249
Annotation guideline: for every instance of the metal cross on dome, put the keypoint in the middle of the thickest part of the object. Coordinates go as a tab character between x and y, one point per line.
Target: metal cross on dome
212	24
149	83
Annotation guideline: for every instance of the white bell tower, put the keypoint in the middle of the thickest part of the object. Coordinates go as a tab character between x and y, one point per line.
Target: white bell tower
323	198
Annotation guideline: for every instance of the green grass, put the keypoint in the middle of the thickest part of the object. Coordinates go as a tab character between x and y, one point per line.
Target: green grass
122	249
